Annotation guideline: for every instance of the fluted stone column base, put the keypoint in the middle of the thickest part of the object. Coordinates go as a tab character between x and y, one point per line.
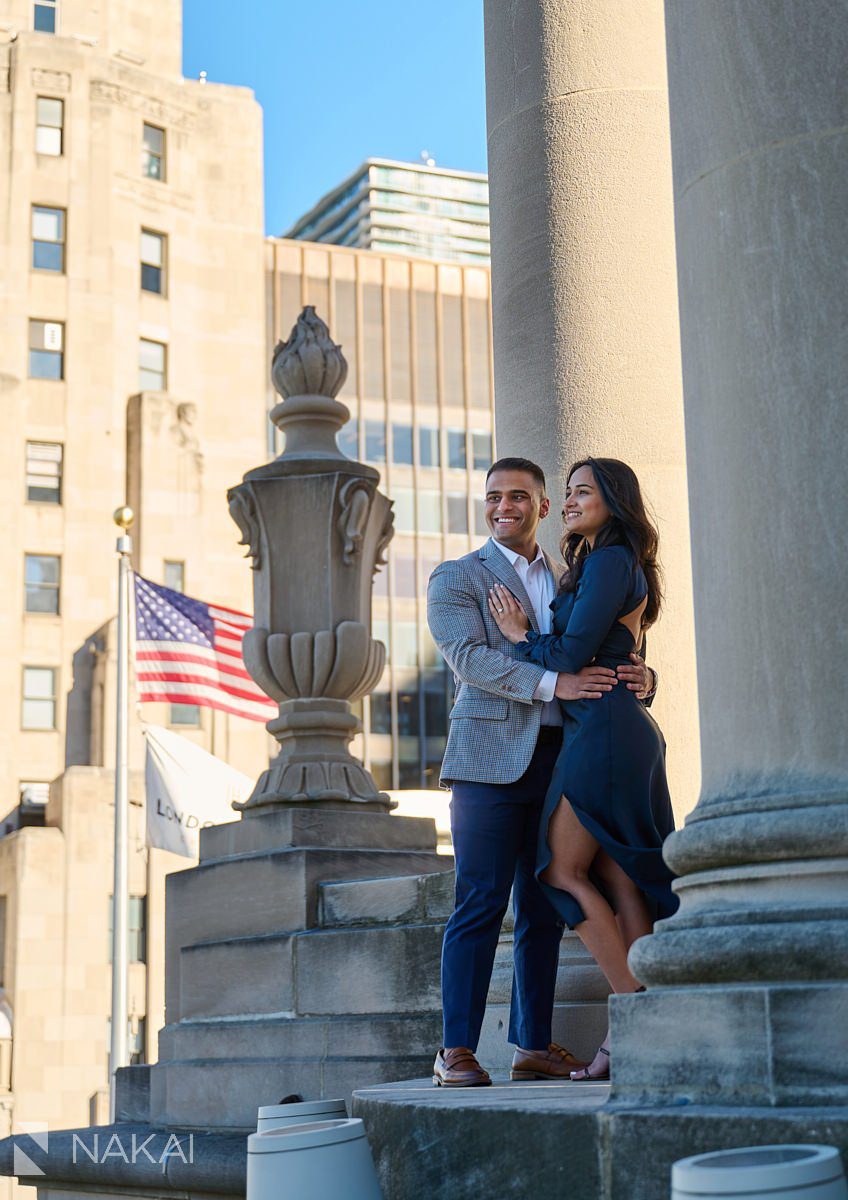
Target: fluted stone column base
747	999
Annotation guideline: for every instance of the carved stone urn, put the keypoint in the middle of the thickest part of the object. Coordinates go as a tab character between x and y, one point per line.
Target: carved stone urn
316	528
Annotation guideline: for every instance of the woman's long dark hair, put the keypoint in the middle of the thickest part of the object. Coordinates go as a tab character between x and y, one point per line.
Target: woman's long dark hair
629	525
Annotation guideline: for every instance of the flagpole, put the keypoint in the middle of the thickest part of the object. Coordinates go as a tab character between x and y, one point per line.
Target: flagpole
123	518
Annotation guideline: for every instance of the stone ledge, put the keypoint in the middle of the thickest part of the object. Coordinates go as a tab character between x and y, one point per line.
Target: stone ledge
189	1162
549	1140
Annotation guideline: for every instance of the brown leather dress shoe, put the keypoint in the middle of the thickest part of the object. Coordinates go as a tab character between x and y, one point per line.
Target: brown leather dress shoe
554	1063
457	1067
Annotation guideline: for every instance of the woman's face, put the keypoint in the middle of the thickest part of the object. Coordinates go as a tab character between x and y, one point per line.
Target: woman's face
584	511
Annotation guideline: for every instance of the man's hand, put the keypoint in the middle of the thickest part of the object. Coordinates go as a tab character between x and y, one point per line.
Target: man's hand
638	678
588	684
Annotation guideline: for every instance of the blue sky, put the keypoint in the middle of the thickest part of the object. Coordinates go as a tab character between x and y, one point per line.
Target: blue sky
345	79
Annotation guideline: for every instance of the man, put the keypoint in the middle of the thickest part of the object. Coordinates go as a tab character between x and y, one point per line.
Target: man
505	735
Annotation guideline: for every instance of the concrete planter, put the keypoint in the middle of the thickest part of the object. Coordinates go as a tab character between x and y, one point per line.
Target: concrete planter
312	1162
283	1116
780	1172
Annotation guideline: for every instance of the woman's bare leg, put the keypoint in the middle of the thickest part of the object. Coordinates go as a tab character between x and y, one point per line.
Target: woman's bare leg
634	920
572	851
607	938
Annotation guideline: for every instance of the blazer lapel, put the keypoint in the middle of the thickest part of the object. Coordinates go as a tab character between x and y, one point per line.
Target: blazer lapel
502	569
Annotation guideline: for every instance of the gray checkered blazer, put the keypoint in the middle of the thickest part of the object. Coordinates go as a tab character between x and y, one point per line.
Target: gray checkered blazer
494	722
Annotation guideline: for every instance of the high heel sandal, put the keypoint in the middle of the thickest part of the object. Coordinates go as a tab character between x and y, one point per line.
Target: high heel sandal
583	1075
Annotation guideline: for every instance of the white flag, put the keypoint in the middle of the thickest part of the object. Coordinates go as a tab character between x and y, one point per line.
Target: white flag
186	790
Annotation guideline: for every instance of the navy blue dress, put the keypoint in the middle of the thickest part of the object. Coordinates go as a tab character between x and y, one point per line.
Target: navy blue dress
612	764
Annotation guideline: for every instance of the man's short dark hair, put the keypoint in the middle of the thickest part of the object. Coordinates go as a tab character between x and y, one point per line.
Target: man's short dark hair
519	464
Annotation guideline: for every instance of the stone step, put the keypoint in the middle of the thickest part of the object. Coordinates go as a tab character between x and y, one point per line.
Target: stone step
309	1039
388	901
263	894
384	969
224	1093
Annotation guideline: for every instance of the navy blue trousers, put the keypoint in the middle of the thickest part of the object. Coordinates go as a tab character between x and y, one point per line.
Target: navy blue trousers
495	834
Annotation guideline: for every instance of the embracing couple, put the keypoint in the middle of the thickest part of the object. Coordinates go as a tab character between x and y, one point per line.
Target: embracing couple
556	768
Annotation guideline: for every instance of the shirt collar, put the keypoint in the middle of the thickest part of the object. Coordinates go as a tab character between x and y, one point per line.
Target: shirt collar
513	556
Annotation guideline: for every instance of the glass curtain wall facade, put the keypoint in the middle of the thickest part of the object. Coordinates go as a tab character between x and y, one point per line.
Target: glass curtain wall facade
404	208
417	338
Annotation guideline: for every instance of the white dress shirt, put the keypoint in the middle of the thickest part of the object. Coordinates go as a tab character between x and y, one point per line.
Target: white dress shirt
539	586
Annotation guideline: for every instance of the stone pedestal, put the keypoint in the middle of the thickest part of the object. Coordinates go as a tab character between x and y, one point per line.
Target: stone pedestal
584	293
269	990
748	983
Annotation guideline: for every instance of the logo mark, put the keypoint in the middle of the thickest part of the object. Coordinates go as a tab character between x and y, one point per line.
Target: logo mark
36	1131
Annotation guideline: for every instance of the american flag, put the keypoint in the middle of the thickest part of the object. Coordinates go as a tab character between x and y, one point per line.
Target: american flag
189	652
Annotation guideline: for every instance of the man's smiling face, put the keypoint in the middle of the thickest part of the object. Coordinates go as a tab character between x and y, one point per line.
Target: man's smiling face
515	504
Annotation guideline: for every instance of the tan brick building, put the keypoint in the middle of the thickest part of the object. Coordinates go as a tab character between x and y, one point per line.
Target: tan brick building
132	343
139	303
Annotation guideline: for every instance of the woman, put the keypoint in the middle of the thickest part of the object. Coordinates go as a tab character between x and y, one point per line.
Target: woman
607	812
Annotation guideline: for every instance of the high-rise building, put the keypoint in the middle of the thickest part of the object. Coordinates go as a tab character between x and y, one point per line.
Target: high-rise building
417	337
405	208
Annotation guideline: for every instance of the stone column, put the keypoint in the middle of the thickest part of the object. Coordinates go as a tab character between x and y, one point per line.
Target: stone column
315	527
587	357
748	983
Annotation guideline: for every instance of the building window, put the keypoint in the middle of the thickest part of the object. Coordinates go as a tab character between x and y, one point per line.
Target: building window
402	445
429	512
185	715
381	773
153	152
407	711
347	439
404	503
428	446
49	126
152	373
404	644
456	449
39	698
409	771
403	585
137	1041
46	350
481	451
375	441
44	472
153	262
435	706
48	239
44	16
33	794
2	941
174	575
381	712
136	928
41	582
478	352
480	526
457	514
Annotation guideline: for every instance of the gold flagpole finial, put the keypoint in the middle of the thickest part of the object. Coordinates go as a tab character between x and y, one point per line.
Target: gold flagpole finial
123	516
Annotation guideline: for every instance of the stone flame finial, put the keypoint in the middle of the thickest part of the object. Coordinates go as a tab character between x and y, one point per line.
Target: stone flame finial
309	363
